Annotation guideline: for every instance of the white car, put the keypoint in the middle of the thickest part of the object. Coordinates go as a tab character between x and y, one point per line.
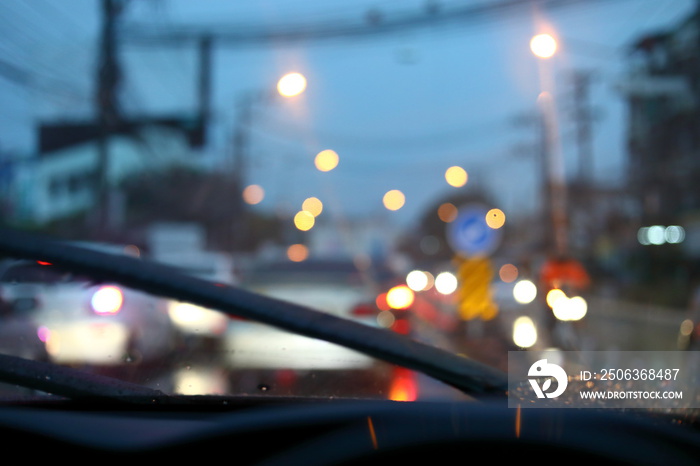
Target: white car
80	321
256	352
254	345
191	320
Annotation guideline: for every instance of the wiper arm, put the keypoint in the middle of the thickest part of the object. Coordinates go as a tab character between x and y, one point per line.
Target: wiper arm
462	373
71	383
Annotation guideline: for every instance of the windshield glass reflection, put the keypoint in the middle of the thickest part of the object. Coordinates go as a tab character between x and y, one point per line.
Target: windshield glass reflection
485	177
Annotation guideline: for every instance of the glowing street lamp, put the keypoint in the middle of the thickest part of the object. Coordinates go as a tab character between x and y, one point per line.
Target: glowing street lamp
291	84
543	45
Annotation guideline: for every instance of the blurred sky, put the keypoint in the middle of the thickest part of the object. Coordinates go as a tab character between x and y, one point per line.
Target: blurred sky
398	108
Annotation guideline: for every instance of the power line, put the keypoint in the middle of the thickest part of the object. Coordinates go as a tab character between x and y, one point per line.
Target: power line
285	34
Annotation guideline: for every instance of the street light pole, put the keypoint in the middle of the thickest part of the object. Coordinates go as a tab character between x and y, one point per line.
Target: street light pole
290	85
544	46
241	138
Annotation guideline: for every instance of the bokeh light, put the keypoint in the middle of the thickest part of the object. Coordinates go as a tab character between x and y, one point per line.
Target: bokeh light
253	194
394	199
446	283
570	309
400	297
431	280
524	292
642	236
381	303
456	176
524	332
297	253
543	45
386	319
43	333
508	273
107	300
447	212
132	250
326	160
190	317
687	327
674	234
313	206
656	234
291	84
553	296
418	280
303	220
495	218
578	307
198	381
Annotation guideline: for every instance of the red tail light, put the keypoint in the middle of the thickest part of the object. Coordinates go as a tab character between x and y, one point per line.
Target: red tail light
401	326
381	302
404	387
364	310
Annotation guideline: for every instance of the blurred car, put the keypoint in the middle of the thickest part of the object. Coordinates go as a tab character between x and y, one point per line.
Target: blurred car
337	287
18	305
81	321
197	322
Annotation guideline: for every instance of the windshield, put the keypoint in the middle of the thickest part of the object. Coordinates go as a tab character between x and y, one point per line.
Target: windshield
481	177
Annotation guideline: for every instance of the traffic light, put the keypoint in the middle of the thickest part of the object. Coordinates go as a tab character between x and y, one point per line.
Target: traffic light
474	296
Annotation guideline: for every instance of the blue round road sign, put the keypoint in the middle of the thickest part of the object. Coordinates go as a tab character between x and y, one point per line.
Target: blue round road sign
469	234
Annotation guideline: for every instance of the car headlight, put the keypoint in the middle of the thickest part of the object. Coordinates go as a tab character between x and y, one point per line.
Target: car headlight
108	300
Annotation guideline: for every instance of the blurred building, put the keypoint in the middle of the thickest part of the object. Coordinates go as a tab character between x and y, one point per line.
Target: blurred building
599	213
662	89
62	179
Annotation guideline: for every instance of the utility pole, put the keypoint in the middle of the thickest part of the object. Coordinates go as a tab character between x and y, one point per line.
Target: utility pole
204	84
583	117
554	188
540	150
241	142
107	107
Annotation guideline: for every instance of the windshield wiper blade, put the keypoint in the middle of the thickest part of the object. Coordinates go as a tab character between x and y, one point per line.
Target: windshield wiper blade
71	383
461	372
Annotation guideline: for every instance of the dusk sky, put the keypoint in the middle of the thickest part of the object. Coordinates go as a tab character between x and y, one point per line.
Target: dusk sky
398	108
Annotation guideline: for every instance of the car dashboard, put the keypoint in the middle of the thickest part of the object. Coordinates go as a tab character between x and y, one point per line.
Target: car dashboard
272	431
